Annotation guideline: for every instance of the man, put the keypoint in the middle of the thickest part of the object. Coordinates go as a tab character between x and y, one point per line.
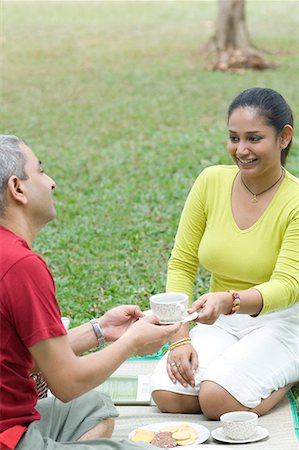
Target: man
33	337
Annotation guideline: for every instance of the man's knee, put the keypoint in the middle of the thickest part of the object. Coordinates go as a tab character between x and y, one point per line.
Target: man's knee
103	429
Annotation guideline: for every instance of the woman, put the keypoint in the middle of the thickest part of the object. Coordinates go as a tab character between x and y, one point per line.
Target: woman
241	222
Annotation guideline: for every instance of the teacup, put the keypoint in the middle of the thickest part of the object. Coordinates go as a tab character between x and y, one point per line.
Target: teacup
169	306
239	425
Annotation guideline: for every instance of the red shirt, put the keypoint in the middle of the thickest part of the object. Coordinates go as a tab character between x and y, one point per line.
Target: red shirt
29	313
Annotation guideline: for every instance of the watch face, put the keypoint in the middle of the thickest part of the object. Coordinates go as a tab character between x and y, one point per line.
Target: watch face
98	332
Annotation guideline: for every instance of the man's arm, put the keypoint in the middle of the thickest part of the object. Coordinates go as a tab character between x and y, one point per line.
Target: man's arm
113	324
82	338
69	376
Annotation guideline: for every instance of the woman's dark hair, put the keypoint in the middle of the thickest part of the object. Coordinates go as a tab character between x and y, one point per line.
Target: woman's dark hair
269	104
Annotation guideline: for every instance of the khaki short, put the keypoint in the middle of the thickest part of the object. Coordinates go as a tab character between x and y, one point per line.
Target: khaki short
62	424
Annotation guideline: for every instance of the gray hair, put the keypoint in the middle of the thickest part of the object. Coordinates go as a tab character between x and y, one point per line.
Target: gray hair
12	162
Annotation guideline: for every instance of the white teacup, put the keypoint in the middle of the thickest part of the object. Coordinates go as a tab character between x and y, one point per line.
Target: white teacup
169	306
239	425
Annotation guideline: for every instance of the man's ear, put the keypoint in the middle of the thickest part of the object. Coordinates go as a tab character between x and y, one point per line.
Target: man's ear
286	135
16	189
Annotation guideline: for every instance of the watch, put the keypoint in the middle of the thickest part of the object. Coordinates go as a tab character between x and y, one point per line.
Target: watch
98	332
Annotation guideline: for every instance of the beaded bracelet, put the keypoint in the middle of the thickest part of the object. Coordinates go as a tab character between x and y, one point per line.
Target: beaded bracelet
236	302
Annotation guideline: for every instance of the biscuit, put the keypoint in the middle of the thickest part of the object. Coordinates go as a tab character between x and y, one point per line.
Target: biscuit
181	435
192	432
169	436
186	442
164	440
186	435
184	426
170	428
143	436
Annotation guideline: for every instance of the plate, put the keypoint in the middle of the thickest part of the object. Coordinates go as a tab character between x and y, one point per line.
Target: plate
202	447
184	320
261	433
206	447
203	432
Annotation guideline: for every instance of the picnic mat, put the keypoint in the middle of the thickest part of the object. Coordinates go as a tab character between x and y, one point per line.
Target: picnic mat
279	421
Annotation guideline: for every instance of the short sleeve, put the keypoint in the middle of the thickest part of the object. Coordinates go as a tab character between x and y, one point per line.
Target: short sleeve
33	306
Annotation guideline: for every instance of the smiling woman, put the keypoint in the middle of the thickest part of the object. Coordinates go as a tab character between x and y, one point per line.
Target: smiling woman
272	110
260	135
256	150
260	127
241	223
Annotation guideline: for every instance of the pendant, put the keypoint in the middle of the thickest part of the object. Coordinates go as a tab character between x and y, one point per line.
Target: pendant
254	199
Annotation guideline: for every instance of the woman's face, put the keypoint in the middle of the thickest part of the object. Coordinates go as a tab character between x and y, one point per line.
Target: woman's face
254	146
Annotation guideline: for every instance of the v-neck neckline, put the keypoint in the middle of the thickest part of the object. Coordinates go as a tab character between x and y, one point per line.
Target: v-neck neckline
256	223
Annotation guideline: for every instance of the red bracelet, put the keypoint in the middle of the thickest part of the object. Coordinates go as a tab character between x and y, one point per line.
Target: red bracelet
236	302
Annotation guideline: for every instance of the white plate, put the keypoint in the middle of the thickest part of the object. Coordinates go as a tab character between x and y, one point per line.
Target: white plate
206	447
203	432
188	318
261	433
202	447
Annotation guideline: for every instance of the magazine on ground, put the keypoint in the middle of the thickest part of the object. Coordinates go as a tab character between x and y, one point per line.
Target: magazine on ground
130	383
128	389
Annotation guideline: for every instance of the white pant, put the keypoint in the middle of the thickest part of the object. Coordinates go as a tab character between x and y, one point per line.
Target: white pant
249	357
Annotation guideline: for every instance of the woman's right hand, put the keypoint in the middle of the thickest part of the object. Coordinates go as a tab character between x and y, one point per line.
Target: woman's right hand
182	363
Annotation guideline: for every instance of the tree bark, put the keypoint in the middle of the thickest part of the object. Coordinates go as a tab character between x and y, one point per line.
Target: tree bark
230	43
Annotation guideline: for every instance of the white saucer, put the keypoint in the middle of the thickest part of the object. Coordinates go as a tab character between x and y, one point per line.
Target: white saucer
187	318
261	433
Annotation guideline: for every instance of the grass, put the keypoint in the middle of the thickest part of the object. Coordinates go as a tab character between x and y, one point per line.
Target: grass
115	99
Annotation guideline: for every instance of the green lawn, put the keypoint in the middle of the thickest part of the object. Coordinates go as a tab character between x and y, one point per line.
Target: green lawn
115	100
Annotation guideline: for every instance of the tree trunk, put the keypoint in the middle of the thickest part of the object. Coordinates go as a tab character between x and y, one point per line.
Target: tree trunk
231	42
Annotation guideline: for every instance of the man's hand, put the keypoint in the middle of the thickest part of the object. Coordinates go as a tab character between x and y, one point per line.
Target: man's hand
147	336
69	376
115	322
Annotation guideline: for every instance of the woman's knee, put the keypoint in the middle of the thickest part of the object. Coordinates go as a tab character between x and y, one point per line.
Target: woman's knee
214	400
170	402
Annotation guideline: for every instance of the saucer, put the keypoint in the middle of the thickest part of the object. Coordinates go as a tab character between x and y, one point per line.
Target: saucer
260	433
185	319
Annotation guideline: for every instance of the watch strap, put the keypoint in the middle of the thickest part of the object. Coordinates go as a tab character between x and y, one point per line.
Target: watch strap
98	332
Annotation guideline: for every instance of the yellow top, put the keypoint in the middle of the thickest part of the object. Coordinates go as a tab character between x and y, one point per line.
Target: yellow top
264	256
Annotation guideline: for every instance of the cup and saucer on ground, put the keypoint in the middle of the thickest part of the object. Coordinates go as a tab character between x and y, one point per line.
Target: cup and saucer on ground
239	427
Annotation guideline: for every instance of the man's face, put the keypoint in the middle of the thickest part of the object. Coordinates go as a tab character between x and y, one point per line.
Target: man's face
38	190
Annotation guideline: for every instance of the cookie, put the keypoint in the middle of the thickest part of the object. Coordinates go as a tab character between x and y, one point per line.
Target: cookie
143	436
181	435
170	428
184	426
186	435
186	442
164	439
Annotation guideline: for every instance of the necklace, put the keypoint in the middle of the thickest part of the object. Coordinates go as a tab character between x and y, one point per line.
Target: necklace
254	198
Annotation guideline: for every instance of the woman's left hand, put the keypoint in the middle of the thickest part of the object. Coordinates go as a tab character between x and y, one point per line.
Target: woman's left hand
210	306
